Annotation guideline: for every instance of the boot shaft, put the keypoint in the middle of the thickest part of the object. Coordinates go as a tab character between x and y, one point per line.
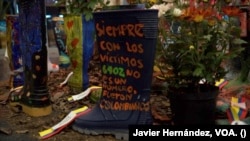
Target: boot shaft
35	99
126	43
80	44
14	50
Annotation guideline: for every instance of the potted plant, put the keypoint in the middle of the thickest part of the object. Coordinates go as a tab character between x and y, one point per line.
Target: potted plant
80	36
196	37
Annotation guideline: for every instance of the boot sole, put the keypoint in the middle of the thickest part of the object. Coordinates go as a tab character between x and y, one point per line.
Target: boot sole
118	133
33	111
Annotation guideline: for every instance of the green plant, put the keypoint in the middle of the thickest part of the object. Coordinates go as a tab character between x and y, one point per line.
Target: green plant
148	3
85	7
196	37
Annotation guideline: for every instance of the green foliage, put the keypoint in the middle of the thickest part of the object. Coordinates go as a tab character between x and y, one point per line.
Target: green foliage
148	3
85	7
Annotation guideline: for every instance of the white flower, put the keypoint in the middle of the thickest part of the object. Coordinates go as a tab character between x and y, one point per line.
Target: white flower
177	12
163	8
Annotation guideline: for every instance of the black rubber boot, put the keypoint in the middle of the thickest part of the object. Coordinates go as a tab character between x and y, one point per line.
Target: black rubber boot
14	51
35	99
127	58
80	44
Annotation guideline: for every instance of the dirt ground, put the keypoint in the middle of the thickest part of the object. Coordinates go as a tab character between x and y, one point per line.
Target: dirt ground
18	124
15	125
